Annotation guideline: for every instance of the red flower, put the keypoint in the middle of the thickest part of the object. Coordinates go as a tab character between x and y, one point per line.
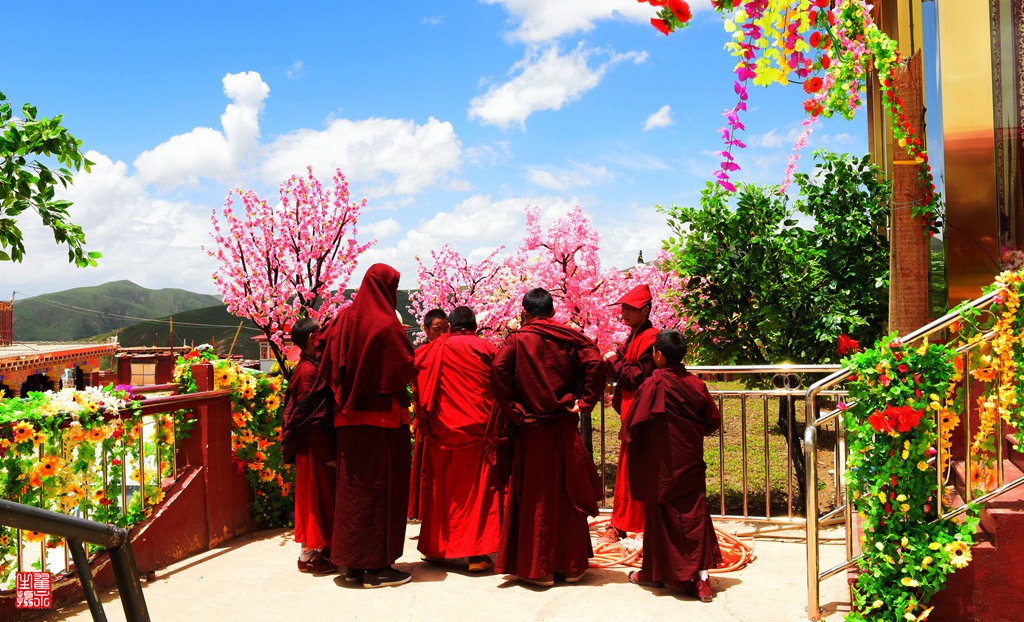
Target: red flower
815	39
680	9
812	85
821	3
847	345
661	25
880	422
906	417
826	62
902	367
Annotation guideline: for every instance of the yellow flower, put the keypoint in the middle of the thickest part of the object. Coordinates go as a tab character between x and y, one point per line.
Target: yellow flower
959	553
935	546
926	562
273	401
904	541
905	507
909	582
877	604
882	497
880	546
248	392
47	466
922	466
901	499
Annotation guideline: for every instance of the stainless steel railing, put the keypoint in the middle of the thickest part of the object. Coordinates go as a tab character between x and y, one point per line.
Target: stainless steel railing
818	421
748	440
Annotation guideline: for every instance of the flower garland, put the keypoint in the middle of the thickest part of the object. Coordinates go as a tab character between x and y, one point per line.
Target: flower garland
70	451
830	50
892	434
256	418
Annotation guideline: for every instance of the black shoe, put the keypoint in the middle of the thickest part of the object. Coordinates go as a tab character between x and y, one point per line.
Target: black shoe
385	577
353	576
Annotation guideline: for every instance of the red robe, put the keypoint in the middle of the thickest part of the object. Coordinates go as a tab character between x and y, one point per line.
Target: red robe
540	372
367	363
665	428
308	444
632	364
457	491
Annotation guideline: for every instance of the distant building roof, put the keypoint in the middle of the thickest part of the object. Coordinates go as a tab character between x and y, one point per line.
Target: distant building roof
31	357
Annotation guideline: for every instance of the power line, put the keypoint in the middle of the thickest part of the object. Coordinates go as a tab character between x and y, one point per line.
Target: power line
85	311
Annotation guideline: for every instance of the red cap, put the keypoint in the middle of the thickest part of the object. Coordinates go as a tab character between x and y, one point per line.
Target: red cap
636	297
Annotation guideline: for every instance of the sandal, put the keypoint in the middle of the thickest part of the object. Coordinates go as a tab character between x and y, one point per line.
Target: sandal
635	579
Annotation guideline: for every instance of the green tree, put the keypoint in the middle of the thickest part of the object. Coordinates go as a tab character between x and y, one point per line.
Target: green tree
28	148
772	284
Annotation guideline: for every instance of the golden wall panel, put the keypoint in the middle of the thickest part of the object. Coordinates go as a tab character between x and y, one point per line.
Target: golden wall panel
965	87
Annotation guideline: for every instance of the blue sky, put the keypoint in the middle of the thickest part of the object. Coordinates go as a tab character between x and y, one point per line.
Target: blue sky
450	117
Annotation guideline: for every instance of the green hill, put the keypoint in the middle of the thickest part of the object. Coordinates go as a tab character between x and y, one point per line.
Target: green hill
210	325
79	313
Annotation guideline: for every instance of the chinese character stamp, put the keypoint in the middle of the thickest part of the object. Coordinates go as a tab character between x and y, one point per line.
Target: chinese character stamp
33	590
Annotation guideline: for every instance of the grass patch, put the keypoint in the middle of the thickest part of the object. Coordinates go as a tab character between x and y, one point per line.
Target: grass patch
770	484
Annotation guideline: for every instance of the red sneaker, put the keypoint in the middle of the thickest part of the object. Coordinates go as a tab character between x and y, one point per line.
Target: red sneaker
702	590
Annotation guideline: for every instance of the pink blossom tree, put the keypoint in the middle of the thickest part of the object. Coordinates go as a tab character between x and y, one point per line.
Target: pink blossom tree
279	263
562	259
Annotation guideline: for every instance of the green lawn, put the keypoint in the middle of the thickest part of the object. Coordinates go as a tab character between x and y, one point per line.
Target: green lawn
726	454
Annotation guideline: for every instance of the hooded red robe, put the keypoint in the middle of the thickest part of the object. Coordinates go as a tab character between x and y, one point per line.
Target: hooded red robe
540	372
458	492
632	364
368	363
665	427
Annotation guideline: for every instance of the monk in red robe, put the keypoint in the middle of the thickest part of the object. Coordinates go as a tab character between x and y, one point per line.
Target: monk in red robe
630	364
544	376
306	441
458	488
368	364
665	428
435	324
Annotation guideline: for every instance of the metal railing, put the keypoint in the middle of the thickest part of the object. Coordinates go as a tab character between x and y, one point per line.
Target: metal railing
762	453
818	421
77	532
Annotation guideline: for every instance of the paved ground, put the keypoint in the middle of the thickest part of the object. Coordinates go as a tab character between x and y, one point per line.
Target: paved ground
254	579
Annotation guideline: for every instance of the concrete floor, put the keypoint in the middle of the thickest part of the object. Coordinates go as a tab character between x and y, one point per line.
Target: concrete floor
254	578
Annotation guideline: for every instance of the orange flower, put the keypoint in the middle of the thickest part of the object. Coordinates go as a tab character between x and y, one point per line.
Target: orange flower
266	475
23	431
273	401
47	467
96	434
32	536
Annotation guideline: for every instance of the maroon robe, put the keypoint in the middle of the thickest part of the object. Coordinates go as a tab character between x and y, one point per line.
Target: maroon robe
632	364
367	363
665	428
540	372
307	441
457	489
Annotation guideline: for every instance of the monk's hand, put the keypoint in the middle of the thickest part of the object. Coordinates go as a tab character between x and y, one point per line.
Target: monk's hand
575	407
609	355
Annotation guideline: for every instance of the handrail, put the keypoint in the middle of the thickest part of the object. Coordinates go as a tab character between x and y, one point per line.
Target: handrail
77	531
814	574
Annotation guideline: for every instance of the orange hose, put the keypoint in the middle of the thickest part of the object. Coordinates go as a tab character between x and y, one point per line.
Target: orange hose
629	551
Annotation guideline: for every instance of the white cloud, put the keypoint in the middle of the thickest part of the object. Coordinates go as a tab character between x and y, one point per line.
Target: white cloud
205	152
544	20
380	229
545	80
434	20
145	239
661	118
295	70
491	154
472	227
385	156
556	178
770	139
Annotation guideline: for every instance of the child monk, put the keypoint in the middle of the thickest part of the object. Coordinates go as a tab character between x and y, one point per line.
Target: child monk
307	441
665	427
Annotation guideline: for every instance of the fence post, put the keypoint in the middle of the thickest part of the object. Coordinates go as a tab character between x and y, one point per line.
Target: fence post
163	370
124	369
